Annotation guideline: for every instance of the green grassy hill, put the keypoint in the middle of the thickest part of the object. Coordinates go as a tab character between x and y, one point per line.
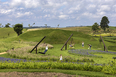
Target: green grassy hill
54	36
85	29
7	32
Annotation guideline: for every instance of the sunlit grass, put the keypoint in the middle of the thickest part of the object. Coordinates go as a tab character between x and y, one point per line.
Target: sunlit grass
28	40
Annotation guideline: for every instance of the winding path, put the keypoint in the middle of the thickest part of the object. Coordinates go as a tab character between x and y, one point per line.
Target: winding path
3	53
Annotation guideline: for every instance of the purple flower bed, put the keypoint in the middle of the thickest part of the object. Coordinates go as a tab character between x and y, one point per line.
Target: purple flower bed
89	52
84	52
2	59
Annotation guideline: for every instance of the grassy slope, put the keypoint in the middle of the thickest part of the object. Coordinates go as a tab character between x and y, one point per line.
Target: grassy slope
58	37
5	31
8	42
78	37
54	36
8	38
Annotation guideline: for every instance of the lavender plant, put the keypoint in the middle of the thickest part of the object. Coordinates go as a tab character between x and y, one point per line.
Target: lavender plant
83	52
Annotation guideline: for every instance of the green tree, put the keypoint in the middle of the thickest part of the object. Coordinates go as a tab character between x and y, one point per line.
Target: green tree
29	25
46	25
18	29
104	23
95	27
7	25
58	25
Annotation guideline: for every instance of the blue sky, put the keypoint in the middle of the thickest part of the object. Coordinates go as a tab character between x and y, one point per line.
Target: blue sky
54	12
4	0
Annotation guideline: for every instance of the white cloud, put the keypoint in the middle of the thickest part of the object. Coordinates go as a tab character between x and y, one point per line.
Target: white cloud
26	3
28	13
86	14
31	3
104	8
63	16
47	15
5	11
21	8
72	10
114	7
23	14
92	15
108	1
15	2
101	13
91	6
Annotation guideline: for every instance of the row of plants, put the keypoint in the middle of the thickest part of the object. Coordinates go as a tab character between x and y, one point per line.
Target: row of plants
82	52
68	59
112	48
110	69
89	53
23	53
110	39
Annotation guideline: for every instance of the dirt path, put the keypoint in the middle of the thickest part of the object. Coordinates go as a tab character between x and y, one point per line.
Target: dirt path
35	74
3	53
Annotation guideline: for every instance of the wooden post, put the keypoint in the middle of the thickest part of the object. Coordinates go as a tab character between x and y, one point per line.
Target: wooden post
66	41
36	50
38	44
71	40
66	46
104	45
104	48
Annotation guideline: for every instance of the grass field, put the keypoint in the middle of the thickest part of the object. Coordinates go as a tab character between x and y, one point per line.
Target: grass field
57	37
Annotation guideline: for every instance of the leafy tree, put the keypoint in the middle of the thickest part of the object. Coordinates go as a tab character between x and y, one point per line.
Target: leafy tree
7	25
46	25
29	25
104	23
95	27
58	25
33	24
18	28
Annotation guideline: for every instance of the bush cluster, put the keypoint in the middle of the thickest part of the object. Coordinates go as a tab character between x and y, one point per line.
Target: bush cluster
111	69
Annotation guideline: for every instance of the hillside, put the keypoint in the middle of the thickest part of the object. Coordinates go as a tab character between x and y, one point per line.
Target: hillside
56	36
53	36
7	32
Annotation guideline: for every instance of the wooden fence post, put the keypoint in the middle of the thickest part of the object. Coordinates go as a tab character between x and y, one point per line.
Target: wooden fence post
66	46
66	42
37	44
